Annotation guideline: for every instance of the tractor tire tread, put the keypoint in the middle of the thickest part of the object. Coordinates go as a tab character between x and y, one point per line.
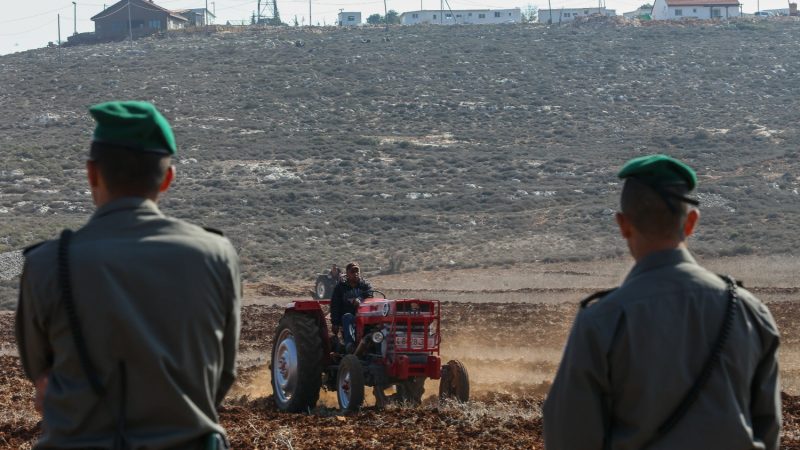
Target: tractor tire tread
308	340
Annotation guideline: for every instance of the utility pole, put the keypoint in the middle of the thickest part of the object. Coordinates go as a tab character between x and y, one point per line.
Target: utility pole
130	26
386	15
309	13
60	49
205	15
75	17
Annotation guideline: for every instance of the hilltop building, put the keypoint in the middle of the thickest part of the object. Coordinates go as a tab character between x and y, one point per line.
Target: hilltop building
350	19
641	13
142	17
569	14
461	16
197	16
695	9
778	12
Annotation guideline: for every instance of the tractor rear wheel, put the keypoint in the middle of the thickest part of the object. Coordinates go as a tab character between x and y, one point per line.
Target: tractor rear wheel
454	383
350	384
296	362
321	289
411	390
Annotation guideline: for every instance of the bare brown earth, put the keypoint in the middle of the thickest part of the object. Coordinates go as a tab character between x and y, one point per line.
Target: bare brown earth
510	348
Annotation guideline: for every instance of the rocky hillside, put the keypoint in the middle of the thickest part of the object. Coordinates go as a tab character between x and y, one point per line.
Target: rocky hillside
421	146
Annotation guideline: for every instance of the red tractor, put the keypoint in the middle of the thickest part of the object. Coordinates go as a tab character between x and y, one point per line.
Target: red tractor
397	346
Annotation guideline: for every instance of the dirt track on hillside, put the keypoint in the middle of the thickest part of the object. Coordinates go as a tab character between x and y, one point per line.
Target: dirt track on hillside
511	351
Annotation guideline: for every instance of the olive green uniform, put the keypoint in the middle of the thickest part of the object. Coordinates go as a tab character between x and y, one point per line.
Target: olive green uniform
632	356
159	305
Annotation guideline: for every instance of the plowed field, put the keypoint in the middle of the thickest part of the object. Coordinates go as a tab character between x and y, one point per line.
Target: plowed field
511	350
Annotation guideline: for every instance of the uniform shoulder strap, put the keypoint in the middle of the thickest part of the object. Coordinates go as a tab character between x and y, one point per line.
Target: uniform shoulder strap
72	314
585	303
30	248
214	230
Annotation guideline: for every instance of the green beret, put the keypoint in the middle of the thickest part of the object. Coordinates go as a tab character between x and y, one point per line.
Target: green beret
659	170
135	125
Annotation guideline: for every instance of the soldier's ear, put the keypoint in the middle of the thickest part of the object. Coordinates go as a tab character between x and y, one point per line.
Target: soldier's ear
92	173
691	222
169	176
625	226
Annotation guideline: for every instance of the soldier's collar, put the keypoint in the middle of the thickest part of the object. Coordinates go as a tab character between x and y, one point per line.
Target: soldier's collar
124	204
663	258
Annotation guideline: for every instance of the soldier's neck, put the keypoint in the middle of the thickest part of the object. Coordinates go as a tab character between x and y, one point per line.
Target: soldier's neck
103	197
644	249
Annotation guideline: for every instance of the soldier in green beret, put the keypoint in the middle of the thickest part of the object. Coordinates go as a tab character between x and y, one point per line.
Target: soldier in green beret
129	326
677	357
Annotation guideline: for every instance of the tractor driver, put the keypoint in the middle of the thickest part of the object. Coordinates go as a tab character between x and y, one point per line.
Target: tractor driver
347	295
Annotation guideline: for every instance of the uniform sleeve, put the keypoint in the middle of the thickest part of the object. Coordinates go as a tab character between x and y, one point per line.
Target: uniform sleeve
336	305
230	340
576	412
34	348
765	407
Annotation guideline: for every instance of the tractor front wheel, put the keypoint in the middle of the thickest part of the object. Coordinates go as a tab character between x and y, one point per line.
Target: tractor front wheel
296	362
454	383
350	384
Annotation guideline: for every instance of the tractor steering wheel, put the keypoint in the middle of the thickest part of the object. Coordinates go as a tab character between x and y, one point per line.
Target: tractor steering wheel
375	291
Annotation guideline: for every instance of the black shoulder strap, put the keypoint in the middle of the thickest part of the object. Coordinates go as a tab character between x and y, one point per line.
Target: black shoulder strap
30	248
713	359
597	295
214	230
72	315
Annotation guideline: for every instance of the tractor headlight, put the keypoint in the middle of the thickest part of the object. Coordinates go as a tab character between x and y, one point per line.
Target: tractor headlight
377	337
432	329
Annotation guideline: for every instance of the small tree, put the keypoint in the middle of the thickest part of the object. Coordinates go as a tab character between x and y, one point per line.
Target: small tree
375	19
530	13
392	17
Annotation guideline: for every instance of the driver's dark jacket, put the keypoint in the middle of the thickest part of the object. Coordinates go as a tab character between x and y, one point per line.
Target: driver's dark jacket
343	296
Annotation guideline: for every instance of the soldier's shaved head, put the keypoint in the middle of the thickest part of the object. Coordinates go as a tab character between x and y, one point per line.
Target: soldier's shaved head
655	215
130	173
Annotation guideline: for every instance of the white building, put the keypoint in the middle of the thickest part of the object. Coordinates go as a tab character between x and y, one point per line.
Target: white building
461	16
695	9
777	12
638	14
349	19
570	14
